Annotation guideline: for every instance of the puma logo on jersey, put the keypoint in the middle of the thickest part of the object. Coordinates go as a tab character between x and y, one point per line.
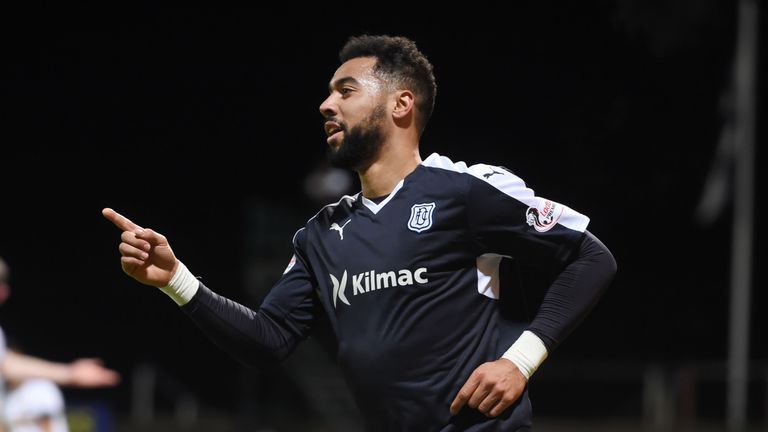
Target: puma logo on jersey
340	229
371	281
493	171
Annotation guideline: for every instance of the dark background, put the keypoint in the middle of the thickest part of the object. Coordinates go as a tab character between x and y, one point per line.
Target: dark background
190	120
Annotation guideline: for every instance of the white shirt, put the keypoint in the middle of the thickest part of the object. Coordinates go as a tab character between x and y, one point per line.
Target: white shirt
34	400
3	348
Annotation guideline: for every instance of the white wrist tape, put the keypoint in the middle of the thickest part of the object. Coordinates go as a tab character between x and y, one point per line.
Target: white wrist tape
183	285
528	353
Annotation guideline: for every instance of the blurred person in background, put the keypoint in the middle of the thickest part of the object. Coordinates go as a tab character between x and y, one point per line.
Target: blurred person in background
26	381
407	270
34	404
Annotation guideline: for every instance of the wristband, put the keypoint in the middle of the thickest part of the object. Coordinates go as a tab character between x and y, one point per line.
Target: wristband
528	353
183	285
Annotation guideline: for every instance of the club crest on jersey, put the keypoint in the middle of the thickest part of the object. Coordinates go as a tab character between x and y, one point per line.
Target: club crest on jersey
421	217
544	216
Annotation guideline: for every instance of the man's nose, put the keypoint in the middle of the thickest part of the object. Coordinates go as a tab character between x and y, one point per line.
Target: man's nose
328	107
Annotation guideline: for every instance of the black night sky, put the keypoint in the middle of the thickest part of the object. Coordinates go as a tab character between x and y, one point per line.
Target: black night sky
187	120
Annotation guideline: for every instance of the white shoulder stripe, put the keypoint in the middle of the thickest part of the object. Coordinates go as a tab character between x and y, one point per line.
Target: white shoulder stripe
512	186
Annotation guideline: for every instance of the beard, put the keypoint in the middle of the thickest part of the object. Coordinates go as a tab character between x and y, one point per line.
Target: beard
361	143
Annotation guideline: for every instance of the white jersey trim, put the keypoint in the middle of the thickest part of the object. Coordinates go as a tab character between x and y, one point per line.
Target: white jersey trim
511	185
375	208
488	275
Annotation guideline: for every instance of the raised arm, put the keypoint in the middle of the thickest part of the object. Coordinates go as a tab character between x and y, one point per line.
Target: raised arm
250	335
84	372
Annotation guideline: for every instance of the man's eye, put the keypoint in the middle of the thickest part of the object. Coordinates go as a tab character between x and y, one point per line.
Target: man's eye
345	90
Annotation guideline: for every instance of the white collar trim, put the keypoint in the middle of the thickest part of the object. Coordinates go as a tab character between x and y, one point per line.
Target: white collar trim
373	207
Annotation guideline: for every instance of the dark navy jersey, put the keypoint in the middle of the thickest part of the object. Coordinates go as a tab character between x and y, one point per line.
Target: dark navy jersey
410	287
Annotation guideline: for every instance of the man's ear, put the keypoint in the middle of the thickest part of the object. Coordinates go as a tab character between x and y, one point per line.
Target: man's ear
404	104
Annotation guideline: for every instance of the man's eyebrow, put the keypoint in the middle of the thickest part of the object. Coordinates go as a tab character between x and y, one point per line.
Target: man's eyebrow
340	82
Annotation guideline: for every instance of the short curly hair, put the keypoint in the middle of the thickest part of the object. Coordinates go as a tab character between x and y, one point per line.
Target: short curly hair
400	63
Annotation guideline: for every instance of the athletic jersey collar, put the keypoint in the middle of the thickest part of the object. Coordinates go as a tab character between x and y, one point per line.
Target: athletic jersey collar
375	208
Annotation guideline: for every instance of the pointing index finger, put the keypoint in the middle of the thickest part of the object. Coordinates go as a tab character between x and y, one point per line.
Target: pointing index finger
119	220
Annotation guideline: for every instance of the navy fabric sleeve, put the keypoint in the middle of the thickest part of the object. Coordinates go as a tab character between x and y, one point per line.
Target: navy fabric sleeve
508	219
286	317
505	217
574	292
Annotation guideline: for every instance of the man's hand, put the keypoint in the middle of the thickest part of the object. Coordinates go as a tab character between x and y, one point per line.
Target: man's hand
88	372
84	372
145	254
492	388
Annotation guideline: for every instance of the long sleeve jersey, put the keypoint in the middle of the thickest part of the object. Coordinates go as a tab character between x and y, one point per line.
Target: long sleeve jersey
410	287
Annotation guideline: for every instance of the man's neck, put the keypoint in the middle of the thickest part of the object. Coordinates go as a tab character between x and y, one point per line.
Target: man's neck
393	165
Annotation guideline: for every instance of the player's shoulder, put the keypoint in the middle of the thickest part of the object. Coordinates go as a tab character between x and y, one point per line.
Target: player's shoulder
482	171
328	214
335	210
442	162
41	385
40	390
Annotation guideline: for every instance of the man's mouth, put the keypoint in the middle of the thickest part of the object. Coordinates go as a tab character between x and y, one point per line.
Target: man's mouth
332	127
333	130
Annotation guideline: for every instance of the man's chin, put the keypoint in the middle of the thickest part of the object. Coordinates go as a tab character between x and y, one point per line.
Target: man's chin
335	140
